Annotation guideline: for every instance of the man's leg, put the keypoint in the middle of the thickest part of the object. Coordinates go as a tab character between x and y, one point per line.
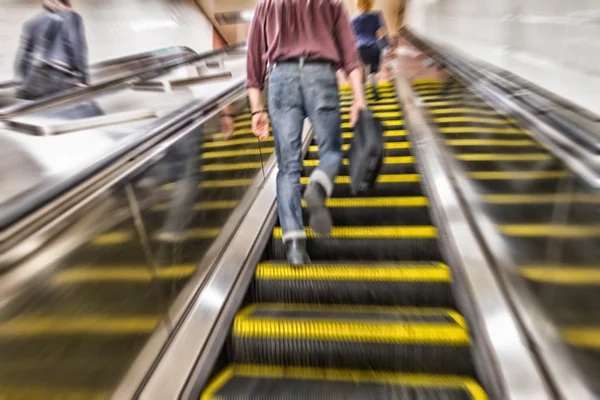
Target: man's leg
320	91
286	110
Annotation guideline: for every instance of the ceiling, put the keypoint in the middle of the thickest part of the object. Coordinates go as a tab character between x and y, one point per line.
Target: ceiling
393	10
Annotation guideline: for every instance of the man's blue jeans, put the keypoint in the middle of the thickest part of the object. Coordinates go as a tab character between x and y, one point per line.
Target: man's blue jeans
297	91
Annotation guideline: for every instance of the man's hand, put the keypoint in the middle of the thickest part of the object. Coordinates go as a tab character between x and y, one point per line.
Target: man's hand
357	106
260	125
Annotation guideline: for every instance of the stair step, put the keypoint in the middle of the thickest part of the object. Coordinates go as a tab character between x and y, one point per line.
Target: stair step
403	283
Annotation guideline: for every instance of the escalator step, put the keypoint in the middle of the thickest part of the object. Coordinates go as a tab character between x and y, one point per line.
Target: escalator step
392	149
387	185
391	165
263	382
372	232
357	211
384	249
406	284
432	340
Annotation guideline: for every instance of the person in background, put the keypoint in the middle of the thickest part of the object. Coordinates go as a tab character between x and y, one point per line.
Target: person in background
368	28
53	52
304	43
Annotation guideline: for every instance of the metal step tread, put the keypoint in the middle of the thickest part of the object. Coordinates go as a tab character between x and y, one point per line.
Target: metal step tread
270	382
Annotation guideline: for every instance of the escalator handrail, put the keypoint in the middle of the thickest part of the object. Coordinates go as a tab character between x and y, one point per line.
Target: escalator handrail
122	60
588	141
19	208
114	84
154	53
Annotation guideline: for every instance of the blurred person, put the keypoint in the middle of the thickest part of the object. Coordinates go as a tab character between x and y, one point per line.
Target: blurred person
370	31
304	42
53	53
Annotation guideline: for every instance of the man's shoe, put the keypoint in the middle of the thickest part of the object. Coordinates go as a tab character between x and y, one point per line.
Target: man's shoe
319	218
296	252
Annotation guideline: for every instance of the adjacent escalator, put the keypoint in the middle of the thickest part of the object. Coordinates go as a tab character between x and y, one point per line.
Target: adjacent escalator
374	316
76	333
548	218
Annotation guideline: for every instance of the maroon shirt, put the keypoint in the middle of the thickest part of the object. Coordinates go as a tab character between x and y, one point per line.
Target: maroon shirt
315	29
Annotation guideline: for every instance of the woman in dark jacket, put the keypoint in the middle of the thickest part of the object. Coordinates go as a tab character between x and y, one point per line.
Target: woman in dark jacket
53	52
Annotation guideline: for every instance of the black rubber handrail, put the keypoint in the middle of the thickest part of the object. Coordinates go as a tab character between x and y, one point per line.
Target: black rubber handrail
111	85
520	94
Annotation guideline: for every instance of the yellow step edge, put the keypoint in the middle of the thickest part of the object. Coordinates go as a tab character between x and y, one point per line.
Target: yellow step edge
372	232
112	238
237	153
341	272
203	205
388	146
502	175
82	324
403	201
232	166
234	142
461	96
353	330
587	337
490	142
386	160
201	233
541	198
440	92
431	81
384	107
306	163
459	103
400	122
386	133
475	120
124	273
384	94
354	308
343	375
442	111
392	178
475	129
396	114
563	274
504	157
550	230
225	183
346	103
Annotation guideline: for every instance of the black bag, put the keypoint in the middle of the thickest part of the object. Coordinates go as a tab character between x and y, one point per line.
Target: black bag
46	77
366	153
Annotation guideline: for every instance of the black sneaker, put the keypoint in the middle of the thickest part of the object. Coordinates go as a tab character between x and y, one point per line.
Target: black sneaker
319	218
296	252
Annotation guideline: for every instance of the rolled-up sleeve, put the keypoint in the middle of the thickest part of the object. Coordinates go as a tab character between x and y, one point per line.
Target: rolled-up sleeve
345	40
255	64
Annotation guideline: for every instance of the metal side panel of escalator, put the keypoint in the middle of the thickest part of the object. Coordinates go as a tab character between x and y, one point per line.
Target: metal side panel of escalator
545	218
374	316
101	289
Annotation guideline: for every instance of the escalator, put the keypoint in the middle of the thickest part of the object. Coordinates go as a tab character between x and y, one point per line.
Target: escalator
112	68
548	218
374	316
77	332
